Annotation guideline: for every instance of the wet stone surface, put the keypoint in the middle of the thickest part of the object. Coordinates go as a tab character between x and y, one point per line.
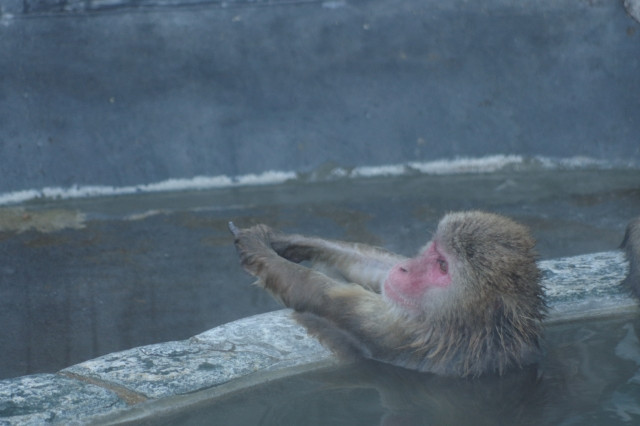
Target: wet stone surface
258	343
267	342
51	398
586	285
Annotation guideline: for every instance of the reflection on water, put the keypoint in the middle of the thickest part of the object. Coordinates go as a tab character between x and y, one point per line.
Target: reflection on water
590	375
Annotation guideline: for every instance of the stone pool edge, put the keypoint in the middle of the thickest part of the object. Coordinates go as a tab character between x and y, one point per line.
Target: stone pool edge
136	383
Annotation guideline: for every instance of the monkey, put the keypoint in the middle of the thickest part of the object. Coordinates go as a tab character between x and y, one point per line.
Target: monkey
469	303
631	247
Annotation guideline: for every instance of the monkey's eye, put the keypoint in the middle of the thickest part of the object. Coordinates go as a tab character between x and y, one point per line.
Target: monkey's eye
444	268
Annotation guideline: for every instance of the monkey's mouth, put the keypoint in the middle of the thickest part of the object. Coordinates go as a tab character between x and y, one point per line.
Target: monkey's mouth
390	294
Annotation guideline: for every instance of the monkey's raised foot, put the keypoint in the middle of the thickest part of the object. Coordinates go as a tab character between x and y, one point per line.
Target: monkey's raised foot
234	229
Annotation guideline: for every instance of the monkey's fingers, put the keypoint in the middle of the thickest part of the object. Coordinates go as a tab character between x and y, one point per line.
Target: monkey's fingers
253	247
289	248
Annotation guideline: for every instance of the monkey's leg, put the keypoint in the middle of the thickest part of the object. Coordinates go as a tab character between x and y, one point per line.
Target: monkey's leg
341	314
346	317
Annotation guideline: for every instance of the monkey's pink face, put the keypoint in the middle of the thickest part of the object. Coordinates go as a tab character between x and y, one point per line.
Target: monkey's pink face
409	281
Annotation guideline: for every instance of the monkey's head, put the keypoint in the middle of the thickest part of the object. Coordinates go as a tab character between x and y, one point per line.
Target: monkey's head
477	262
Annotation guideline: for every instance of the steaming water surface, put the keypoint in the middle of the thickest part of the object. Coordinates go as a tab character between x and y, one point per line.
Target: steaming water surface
590	375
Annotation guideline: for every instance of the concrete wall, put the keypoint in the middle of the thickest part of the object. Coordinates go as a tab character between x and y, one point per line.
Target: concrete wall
124	92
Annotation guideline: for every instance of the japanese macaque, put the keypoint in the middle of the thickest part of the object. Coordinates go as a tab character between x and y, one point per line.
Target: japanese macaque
469	303
631	246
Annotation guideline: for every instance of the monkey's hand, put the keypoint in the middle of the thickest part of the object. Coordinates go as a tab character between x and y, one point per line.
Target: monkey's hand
275	273
254	247
294	248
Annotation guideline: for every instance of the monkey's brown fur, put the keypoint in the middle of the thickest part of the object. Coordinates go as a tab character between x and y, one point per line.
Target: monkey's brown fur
496	322
489	323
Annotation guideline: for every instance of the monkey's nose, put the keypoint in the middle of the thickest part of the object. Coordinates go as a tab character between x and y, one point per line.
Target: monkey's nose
403	269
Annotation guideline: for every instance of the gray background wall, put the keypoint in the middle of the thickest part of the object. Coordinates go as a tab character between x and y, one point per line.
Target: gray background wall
126	92
122	92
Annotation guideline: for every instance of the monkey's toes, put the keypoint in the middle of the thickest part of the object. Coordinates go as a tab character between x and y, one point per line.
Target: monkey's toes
234	229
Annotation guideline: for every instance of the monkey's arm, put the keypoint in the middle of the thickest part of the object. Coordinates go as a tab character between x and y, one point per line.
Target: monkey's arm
345	316
361	264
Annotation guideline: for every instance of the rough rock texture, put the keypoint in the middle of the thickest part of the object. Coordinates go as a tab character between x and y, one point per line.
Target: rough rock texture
586	286
51	398
259	343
